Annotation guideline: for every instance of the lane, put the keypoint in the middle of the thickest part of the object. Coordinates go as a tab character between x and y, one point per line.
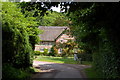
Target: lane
58	70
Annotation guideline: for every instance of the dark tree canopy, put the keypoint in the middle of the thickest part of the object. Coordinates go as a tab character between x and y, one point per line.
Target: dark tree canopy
98	29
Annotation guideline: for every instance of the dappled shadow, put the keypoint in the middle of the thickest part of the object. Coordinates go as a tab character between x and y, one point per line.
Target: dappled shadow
49	69
46	71
53	70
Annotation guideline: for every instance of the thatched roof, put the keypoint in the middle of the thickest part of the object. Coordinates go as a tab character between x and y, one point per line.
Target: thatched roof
50	33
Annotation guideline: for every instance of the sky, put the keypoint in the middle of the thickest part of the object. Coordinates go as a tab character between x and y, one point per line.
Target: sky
53	8
56	9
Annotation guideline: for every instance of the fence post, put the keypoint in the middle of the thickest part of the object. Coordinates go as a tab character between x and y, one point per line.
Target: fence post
80	59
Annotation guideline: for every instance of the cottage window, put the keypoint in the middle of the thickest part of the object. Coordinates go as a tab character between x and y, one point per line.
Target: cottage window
61	40
60	51
49	50
46	44
42	50
50	43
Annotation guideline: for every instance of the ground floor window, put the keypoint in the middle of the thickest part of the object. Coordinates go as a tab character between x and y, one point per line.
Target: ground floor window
42	50
49	50
60	50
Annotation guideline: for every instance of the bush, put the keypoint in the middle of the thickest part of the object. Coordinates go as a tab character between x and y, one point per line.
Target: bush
45	53
17	43
85	57
106	61
37	53
11	73
52	52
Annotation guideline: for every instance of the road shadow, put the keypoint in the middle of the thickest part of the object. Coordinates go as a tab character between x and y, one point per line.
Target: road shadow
49	69
46	71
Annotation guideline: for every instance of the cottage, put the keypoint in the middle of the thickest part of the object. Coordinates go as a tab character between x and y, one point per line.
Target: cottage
52	35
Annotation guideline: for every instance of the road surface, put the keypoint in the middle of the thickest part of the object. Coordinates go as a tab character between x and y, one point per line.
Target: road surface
58	70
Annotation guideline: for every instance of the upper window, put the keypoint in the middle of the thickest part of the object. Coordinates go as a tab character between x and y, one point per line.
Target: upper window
61	40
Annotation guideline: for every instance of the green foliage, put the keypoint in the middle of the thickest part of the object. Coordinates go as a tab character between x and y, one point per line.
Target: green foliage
49	18
98	26
107	59
17	30
61	20
54	19
67	48
52	52
44	17
16	42
9	72
45	52
85	57
91	73
19	36
64	54
37	8
37	53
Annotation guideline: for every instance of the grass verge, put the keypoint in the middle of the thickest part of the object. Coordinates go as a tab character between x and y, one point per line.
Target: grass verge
11	73
91	73
67	60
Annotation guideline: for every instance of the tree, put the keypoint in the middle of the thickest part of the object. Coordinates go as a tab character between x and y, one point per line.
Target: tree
61	20
17	31
49	18
98	26
67	47
44	17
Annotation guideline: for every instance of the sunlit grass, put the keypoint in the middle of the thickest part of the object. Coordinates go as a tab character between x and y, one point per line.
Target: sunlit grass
67	60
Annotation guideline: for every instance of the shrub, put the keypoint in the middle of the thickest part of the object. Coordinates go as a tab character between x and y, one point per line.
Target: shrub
52	52
63	55
85	57
11	73
17	43
45	53
37	53
106	61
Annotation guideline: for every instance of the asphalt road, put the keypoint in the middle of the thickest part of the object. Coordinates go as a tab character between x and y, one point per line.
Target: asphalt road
58	70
